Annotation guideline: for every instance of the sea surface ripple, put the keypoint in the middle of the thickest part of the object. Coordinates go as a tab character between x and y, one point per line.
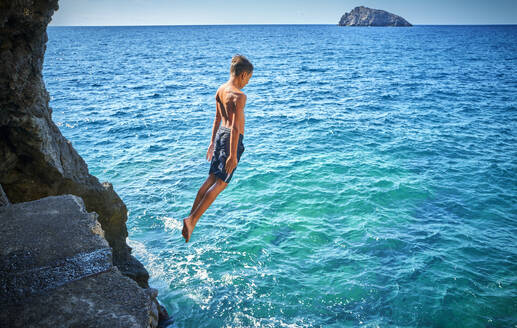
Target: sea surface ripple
378	187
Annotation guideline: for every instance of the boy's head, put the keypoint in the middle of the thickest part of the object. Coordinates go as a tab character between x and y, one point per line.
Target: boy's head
241	68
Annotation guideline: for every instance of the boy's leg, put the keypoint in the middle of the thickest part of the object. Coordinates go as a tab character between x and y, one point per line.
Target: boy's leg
210	180
190	222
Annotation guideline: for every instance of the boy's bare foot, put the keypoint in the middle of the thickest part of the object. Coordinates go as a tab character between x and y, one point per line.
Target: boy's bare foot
187	229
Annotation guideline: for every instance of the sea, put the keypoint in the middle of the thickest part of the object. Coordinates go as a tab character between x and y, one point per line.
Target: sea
378	186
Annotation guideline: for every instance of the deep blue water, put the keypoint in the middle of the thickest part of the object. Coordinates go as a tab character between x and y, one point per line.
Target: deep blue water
378	187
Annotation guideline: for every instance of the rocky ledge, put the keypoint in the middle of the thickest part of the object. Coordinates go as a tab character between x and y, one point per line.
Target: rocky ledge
37	161
57	270
363	16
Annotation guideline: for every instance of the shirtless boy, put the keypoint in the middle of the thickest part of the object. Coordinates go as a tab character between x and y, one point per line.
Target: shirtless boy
226	145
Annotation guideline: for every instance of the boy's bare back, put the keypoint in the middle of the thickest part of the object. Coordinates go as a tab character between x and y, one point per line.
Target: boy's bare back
230	105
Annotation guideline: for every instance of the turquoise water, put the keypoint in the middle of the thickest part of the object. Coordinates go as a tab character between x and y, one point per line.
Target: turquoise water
378	187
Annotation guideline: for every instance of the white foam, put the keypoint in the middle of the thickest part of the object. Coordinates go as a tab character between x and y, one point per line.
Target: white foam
171	224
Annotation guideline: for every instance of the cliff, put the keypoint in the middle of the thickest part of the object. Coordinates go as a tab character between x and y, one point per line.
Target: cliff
36	159
57	271
363	16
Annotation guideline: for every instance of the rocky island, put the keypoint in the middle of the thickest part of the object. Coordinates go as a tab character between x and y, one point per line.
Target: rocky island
64	260
363	16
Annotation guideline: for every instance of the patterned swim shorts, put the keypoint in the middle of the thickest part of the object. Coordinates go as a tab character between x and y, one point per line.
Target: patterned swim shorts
221	153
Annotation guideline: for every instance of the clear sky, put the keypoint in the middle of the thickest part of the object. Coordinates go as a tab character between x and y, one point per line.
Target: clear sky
206	12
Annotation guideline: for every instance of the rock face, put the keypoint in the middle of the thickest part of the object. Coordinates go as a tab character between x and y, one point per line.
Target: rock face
36	160
85	303
3	198
56	270
47	243
363	16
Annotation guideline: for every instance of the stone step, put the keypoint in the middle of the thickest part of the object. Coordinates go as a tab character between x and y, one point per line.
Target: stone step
56	270
105	300
47	243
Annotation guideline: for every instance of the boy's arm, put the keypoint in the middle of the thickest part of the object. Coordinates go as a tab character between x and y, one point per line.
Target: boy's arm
238	116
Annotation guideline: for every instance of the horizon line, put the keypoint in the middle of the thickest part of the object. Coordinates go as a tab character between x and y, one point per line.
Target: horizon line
280	24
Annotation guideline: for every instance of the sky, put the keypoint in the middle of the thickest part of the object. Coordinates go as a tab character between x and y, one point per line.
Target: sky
206	12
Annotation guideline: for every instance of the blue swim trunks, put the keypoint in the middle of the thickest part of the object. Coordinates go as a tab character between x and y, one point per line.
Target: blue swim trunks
221	153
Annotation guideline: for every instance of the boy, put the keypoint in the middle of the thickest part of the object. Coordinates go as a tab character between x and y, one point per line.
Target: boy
226	145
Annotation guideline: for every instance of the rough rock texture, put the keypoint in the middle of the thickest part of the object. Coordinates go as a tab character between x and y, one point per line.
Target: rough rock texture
363	16
47	243
36	160
105	300
3	198
56	270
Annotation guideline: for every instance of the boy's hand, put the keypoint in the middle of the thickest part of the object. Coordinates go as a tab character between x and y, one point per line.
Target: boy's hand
210	152
231	163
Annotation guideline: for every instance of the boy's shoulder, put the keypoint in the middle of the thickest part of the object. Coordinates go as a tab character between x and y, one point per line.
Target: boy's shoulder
228	92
